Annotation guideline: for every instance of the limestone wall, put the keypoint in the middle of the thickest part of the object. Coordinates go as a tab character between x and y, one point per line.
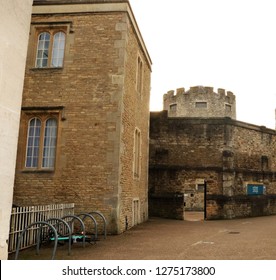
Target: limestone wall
14	30
94	97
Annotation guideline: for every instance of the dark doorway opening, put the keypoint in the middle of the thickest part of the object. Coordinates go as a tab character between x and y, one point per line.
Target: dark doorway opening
195	202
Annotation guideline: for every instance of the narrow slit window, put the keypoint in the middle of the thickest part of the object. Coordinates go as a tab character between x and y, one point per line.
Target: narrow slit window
137	153
139	82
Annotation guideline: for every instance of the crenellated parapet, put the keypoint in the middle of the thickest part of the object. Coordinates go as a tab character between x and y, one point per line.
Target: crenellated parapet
200	101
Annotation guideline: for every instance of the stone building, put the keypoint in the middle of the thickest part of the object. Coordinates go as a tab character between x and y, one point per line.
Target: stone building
14	34
85	111
209	161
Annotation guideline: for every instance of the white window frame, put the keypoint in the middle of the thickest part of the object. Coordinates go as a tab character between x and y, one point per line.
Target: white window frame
55	50
44	162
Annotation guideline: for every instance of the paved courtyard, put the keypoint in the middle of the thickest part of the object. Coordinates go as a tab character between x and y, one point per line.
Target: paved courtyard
192	239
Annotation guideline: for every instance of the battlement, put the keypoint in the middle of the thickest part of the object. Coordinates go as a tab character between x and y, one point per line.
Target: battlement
200	101
172	94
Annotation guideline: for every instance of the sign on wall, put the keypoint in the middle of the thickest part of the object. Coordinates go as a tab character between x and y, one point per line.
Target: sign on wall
255	189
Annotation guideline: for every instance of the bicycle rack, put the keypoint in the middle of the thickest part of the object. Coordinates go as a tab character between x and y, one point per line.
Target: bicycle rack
82	226
69	230
85	215
38	238
103	218
69	233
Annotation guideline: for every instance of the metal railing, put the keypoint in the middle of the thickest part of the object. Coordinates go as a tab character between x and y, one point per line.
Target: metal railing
21	217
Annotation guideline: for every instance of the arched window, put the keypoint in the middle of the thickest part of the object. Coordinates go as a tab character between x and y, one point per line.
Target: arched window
58	49
49	147
33	143
50	49
41	143
42	54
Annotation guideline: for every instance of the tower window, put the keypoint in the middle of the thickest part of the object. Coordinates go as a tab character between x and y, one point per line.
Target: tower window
228	108
201	104
173	107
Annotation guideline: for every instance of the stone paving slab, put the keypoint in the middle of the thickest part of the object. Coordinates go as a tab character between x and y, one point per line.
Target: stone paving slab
164	239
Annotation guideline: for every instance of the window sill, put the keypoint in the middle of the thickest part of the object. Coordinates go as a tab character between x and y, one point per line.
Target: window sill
46	68
42	171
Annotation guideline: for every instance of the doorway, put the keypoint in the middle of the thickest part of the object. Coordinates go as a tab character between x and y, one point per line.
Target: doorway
195	202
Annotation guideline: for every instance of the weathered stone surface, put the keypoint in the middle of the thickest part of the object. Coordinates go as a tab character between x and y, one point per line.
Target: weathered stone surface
200	102
96	89
226	154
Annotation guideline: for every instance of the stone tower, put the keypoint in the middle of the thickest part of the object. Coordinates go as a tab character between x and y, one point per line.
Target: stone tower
201	102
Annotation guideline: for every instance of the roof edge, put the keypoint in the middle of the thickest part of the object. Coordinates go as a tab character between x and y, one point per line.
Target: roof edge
68	2
91	6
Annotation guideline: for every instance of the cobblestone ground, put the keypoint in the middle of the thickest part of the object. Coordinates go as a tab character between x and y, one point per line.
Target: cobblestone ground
164	239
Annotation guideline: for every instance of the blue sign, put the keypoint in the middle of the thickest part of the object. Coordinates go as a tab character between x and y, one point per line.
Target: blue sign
253	189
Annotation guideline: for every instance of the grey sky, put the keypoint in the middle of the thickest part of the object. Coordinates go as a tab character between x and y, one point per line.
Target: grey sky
219	43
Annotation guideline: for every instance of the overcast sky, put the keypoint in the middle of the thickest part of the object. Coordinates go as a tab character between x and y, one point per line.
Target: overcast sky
228	44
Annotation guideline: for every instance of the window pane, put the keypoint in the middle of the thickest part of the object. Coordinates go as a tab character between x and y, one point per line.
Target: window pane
62	44
35	161
54	62
33	143
39	53
35	151
49	147
28	162
38	63
45	36
31	130
40	45
45	54
60	54
55	53
37	128
58	49
46	45
44	62
42	49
